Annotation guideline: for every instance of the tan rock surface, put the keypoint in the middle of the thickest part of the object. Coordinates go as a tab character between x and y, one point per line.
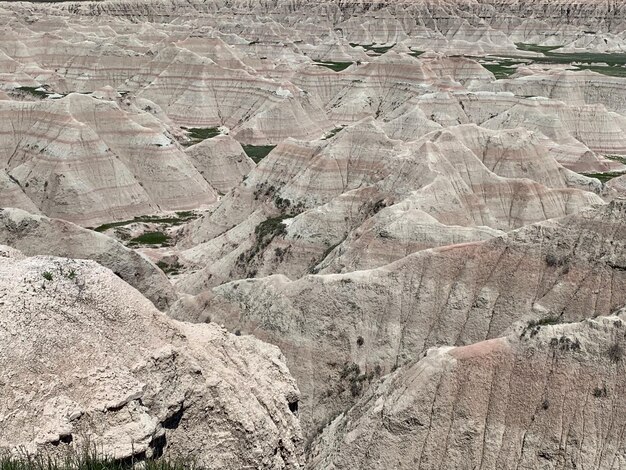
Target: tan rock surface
85	358
87	161
38	235
221	161
572	268
427	189
552	396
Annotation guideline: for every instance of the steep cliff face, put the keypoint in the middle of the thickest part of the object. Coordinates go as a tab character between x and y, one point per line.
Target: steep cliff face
370	180
570	268
550	397
604	14
86	360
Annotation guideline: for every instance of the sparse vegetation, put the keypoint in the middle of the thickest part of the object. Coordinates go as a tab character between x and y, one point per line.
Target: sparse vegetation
351	373
360	341
373	47
90	460
150	238
617	158
615	353
332	133
264	233
600	392
554	261
33	91
169	268
604	177
258	152
533	326
565	343
335	66
178	219
47	275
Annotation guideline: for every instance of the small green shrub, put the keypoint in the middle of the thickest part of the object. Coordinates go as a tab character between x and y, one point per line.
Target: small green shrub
615	353
534	326
169	268
600	392
554	261
47	275
34	91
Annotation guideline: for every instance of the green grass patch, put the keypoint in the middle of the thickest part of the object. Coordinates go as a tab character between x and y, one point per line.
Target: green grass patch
31	90
198	134
373	48
604	177
332	133
335	66
179	218
258	152
150	238
502	68
535	47
90	461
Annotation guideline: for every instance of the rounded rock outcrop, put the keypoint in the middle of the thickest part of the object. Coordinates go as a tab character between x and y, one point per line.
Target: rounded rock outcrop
86	360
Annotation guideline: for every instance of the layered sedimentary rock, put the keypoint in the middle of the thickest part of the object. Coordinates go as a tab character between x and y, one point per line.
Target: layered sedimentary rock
441	174
571	268
87	361
221	161
88	161
38	235
550	395
360	200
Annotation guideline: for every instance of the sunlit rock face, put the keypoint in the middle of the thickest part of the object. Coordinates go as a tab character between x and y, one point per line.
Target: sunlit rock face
421	203
459	407
88	361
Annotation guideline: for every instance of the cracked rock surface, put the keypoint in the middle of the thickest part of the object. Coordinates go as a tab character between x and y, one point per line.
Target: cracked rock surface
84	358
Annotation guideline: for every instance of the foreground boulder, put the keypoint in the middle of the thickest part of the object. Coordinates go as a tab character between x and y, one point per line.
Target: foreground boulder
84	358
545	397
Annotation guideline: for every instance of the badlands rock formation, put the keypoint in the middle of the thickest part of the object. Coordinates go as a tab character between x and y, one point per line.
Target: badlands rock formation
570	268
86	160
355	183
86	358
38	235
552	396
